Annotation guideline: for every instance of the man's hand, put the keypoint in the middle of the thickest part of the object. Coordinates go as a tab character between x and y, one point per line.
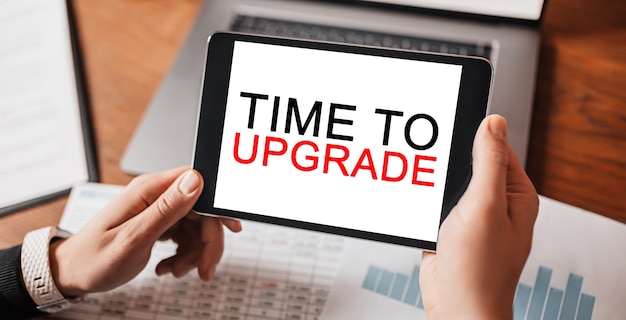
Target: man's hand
116	244
485	241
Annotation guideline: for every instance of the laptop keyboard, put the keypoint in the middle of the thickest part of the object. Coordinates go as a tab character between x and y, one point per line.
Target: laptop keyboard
274	27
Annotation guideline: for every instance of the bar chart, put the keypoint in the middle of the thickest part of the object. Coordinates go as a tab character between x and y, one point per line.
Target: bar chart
542	301
396	285
538	302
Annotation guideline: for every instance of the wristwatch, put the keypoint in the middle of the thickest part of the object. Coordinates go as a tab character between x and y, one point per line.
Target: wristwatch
36	272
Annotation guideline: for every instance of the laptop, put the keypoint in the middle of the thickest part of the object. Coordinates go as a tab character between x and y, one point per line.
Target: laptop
505	32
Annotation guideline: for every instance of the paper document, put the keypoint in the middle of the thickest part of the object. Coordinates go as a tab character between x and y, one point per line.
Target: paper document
41	138
267	272
575	271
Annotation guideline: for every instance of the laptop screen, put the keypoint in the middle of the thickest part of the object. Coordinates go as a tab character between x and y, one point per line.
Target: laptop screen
516	9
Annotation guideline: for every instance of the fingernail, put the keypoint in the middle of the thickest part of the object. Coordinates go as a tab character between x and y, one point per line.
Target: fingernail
497	126
212	272
189	183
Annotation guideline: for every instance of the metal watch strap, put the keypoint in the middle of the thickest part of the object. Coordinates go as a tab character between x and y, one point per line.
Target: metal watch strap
35	264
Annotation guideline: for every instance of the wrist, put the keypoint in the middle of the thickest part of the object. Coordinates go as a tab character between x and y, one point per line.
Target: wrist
36	270
61	271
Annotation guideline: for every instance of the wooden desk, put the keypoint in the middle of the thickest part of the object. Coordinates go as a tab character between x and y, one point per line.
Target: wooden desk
578	141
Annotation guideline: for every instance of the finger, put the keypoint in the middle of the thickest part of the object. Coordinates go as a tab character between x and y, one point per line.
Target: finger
186	261
140	193
169	233
427	255
522	195
517	179
427	275
427	264
490	158
206	267
165	266
171	206
177	265
208	275
232	224
213	237
188	238
190	246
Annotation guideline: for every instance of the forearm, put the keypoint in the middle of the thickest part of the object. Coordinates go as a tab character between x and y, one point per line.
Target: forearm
15	302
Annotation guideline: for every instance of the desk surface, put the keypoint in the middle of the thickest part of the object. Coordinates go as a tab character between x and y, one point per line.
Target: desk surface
577	152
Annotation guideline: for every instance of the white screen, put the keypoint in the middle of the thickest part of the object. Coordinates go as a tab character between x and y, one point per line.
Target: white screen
519	9
365	201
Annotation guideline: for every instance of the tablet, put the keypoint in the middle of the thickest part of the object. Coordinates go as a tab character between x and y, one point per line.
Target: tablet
359	141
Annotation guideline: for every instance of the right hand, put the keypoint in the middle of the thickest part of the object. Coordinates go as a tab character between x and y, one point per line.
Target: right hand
485	241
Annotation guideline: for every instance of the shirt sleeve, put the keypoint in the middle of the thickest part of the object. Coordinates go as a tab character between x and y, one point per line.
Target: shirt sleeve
15	302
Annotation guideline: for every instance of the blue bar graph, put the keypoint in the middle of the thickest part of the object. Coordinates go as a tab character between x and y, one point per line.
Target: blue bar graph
413	292
585	308
551	303
397	286
540	293
385	282
372	278
520	303
553	306
572	295
537	302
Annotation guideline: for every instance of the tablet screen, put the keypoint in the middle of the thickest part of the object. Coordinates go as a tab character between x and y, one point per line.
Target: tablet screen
340	139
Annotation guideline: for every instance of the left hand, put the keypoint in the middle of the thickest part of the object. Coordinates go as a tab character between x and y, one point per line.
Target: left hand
113	247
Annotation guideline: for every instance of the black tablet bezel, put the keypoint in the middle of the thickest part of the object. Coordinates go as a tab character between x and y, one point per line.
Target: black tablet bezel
471	109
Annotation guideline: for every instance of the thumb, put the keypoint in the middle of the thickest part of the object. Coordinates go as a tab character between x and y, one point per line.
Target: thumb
490	157
171	206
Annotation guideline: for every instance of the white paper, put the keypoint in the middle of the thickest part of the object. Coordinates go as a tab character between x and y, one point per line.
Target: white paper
568	243
570	240
41	141
267	272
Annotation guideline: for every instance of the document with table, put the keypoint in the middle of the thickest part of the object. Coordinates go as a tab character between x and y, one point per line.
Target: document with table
44	149
267	272
575	271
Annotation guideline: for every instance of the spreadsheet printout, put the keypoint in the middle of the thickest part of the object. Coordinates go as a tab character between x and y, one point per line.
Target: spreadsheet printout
266	272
